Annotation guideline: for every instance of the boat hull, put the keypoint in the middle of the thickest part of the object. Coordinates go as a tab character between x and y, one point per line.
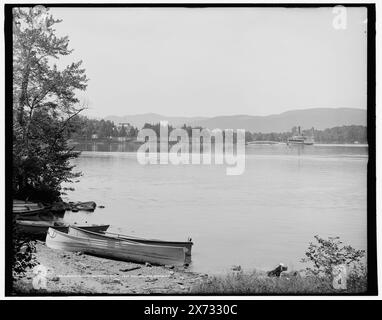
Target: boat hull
187	245
120	250
29	210
301	140
299	143
24	211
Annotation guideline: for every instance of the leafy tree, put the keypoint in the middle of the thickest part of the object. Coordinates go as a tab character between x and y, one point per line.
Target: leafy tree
44	109
122	131
44	105
156	128
327	253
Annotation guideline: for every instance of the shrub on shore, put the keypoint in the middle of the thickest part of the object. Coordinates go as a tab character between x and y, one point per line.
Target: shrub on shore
323	254
23	257
317	278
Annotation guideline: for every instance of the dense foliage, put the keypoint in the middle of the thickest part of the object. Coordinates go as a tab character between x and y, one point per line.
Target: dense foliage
344	134
44	107
44	104
101	129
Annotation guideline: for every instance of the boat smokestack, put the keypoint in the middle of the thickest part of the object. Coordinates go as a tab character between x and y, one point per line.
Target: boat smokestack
299	130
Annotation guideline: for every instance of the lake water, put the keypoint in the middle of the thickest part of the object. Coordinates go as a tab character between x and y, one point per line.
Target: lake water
267	215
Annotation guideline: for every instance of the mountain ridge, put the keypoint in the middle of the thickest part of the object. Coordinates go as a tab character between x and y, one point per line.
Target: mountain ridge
319	118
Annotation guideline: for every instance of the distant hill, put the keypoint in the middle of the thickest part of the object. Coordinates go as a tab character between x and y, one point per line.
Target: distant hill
319	118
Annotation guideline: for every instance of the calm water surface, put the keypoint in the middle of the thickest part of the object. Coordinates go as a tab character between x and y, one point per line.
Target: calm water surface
267	215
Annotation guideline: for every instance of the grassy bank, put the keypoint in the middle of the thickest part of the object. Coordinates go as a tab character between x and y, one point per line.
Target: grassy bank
257	282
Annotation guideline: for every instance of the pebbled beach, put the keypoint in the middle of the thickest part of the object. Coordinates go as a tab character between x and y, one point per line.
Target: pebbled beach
75	273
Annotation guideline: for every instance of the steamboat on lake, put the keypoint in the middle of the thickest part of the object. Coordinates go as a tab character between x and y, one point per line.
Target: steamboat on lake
301	139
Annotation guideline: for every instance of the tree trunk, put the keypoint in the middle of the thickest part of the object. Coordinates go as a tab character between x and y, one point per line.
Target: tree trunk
23	95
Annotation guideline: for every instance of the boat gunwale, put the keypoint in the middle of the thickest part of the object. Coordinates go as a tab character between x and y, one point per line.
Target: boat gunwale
48	224
127	237
110	238
103	235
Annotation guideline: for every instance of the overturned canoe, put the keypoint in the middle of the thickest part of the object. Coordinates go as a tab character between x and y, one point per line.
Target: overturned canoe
84	206
120	250
187	245
41	227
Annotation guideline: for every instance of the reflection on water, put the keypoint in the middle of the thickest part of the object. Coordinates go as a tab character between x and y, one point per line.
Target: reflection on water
107	146
267	215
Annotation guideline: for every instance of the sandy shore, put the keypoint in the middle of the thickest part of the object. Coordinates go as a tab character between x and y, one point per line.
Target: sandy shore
77	273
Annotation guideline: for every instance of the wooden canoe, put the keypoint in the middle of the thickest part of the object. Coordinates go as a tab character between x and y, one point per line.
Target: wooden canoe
20	203
114	249
47	215
25	208
187	245
41	227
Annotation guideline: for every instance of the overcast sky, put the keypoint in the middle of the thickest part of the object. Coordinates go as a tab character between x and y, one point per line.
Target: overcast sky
216	61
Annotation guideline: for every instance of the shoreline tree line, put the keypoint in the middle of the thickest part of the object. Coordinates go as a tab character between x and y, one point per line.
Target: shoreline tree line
94	129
